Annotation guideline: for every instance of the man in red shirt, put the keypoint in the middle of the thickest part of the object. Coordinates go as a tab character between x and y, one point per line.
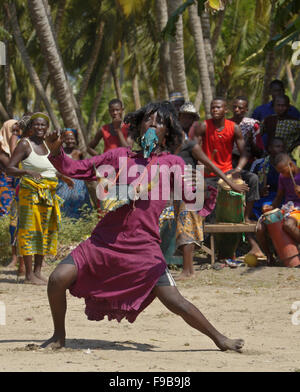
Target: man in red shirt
217	137
114	134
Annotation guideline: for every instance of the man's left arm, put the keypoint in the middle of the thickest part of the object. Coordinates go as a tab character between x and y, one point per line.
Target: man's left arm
244	156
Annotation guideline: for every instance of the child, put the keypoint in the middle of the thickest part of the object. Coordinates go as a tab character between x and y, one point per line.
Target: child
288	191
120	269
267	175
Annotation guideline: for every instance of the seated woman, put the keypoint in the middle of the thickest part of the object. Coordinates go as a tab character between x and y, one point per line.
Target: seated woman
76	198
268	176
288	191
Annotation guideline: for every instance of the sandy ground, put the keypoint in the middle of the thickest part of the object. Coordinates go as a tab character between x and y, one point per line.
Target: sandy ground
251	303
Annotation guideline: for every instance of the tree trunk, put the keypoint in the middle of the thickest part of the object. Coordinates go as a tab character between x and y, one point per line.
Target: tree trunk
148	82
166	85
57	27
177	52
3	113
55	67
116	80
196	29
12	16
205	22
99	94
297	87
217	30
136	92
7	75
91	63
270	59
198	99
290	78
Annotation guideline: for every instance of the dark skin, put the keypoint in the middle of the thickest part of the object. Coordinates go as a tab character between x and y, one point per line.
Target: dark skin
66	274
21	152
276	147
218	112
4	161
71	145
116	114
281	107
290	225
188	250
275	90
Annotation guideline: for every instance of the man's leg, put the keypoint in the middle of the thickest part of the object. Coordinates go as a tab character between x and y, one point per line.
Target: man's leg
59	281
176	303
262	239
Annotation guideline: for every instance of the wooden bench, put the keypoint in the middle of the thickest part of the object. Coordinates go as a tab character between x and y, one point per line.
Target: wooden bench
214	228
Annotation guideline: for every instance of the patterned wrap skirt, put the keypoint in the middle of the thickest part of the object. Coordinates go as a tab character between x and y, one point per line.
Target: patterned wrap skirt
189	227
39	217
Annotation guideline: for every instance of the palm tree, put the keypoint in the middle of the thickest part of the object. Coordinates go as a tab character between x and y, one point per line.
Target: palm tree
91	63
177	52
55	65
196	29
166	85
12	16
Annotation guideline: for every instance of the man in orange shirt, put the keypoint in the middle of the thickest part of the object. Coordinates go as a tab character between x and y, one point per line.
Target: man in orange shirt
217	137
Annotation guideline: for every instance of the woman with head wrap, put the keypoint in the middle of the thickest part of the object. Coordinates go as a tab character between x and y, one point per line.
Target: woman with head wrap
7	183
39	213
76	199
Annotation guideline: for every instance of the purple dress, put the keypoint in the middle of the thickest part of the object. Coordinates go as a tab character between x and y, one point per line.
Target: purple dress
119	265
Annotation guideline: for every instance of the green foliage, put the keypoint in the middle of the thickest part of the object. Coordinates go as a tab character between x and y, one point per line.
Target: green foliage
73	231
5	247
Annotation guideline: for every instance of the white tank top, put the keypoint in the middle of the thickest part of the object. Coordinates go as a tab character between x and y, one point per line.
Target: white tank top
39	163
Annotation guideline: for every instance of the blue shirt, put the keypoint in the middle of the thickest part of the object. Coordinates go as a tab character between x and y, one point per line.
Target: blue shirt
267	109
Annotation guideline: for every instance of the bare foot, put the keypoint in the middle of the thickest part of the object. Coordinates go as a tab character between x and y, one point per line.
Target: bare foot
13	263
225	344
21	271
185	275
248	220
32	279
41	277
54	343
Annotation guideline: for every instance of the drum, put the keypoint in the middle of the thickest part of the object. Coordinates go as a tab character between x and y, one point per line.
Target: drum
229	209
286	248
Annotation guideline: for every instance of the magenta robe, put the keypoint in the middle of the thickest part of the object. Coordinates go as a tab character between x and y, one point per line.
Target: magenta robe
119	265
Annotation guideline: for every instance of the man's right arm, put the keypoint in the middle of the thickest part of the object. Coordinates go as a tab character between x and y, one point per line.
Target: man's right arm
199	132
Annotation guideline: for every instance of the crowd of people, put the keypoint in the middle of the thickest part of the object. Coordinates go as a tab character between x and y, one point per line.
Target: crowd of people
122	267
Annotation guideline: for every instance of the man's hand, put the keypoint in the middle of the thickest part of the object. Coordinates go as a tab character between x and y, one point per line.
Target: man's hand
116	122
239	188
297	190
54	141
68	181
236	173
